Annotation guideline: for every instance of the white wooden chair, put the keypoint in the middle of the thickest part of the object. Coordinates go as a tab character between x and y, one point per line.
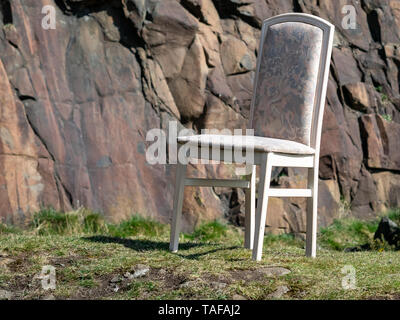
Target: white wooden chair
286	114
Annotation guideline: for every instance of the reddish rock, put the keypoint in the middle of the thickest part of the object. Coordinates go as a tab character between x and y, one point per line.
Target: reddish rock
77	103
220	116
361	96
364	204
217	84
189	87
242	89
387	189
381	138
169	35
236	57
25	182
332	11
346	66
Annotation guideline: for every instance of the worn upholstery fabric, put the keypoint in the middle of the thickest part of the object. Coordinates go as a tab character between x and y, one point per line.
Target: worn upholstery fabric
286	87
262	144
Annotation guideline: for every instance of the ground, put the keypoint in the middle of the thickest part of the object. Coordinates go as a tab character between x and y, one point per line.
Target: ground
210	264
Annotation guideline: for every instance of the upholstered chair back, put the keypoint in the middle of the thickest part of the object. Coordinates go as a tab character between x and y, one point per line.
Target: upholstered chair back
290	69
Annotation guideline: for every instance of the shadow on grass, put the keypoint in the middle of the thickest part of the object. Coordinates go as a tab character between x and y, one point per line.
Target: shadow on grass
148	245
195	256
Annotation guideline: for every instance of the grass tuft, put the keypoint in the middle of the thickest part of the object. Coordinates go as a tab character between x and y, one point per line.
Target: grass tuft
394	215
347	232
51	222
209	231
135	226
351	232
8	229
284	239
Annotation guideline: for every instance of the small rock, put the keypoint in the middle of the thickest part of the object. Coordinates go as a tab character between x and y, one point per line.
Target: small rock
278	293
128	275
3	254
162	272
115	279
5	295
116	288
218	285
141	270
5	261
238	297
49	297
274	271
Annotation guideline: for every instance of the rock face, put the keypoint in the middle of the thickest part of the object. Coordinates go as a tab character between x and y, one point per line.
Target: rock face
76	103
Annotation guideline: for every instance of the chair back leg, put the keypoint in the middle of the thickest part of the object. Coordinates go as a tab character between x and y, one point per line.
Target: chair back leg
250	209
312	207
262	204
177	206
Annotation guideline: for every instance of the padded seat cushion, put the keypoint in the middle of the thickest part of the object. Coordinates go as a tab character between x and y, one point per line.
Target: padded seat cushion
262	144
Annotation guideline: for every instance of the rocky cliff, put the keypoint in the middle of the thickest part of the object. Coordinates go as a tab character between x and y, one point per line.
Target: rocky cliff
77	101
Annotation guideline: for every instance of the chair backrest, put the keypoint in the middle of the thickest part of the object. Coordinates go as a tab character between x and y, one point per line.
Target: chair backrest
291	78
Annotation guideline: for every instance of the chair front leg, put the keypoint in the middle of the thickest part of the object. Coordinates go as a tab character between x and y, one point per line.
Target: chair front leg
177	208
312	208
261	213
250	205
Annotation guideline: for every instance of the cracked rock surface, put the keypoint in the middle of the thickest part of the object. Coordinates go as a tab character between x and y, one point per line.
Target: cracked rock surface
77	102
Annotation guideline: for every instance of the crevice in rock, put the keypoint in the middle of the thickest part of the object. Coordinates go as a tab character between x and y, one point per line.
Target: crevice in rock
129	34
56	175
26	97
198	123
23	97
296	6
238	73
83	8
374	26
62	6
195	10
67	193
229	10
364	144
379	170
250	20
6	12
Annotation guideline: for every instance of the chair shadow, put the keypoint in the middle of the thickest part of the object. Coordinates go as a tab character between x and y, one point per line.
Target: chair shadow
149	245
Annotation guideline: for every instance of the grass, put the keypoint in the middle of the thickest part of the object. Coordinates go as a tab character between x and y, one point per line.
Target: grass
384	97
8	26
387	117
137	226
50	221
352	232
89	254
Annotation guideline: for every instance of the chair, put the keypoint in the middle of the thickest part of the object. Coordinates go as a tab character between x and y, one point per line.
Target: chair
286	115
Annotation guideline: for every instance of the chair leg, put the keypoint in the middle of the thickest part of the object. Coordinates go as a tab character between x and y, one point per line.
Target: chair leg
250	205
177	209
312	209
261	213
